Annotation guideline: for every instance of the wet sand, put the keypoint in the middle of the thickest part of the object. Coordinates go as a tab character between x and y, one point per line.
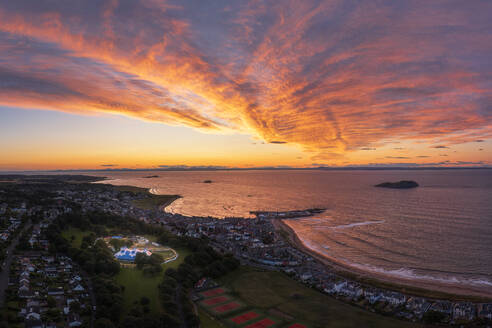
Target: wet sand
431	289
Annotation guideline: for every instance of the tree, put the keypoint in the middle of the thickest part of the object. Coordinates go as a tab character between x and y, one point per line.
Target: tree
169	321
144	300
103	323
51	302
171	272
156	259
140	260
75	306
433	316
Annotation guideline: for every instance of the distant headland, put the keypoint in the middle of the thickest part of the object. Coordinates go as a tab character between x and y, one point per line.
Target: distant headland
403	184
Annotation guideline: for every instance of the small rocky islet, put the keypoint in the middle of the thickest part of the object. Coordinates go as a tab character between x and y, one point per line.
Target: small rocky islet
403	184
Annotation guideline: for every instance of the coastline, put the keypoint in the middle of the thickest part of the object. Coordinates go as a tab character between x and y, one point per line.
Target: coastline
419	288
155	201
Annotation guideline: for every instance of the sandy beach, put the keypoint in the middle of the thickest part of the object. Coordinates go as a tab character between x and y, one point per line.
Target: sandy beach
421	287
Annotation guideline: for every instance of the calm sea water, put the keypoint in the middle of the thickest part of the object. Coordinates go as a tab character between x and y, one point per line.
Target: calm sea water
440	231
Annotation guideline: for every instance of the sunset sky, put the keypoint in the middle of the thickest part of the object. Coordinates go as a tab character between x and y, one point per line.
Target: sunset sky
150	83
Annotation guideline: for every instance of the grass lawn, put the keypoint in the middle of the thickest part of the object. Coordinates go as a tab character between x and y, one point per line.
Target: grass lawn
77	233
182	253
166	254
206	321
138	285
274	290
152	202
135	282
132	189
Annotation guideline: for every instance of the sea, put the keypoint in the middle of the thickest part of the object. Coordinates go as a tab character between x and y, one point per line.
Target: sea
440	231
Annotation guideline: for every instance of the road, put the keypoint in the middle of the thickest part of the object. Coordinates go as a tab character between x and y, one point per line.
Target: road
87	279
4	275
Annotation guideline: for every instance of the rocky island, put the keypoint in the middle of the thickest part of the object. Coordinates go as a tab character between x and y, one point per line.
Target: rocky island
207	181
404	184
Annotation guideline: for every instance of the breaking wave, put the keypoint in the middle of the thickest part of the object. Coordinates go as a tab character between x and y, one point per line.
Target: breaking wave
351	225
410	274
401	273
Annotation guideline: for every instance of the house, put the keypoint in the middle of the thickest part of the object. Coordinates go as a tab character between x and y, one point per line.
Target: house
394	298
466	311
25	293
51	271
79	288
444	307
31	315
74	320
33	323
55	291
372	296
339	286
306	276
485	311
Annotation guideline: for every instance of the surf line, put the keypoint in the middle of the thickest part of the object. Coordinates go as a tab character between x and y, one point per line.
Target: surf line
351	225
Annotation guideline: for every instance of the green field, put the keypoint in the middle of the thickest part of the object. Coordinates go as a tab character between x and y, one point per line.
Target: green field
182	253
206	321
164	253
137	284
274	290
151	202
77	234
132	189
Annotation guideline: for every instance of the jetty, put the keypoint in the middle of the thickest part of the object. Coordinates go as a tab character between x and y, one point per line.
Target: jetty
287	214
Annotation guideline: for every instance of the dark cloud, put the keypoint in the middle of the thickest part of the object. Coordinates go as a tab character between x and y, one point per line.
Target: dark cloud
109	165
397	157
367	148
192	167
440	147
12	81
277	142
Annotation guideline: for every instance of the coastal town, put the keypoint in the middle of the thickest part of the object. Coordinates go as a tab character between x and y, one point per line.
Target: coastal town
50	288
256	242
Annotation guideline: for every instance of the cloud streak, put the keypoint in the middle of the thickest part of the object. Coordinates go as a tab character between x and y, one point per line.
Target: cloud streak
330	76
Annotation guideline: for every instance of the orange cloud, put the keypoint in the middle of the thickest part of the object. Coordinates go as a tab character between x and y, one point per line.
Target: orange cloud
329	76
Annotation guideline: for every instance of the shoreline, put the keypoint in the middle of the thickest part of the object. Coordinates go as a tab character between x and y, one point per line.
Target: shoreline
406	286
160	202
420	288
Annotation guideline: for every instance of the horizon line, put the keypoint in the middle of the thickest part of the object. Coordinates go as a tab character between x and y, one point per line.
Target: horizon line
266	168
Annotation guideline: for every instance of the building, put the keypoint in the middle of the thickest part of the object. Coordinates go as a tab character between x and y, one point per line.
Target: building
129	254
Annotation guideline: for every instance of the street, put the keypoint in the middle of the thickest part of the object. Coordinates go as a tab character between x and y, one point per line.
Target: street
4	275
